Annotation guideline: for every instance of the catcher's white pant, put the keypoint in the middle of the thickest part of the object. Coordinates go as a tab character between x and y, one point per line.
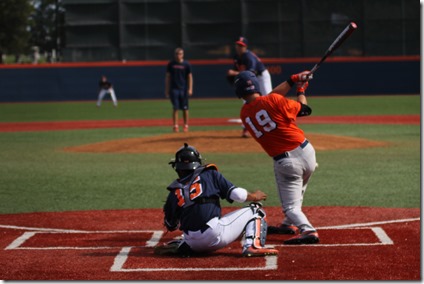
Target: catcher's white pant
222	231
292	174
103	93
265	84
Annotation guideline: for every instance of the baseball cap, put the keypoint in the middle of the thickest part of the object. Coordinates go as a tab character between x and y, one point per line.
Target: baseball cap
246	83
242	41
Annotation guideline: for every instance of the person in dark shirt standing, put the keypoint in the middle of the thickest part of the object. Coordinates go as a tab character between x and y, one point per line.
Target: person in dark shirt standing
179	86
106	87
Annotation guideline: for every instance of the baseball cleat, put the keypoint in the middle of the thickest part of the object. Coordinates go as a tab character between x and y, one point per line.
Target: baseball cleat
252	251
308	237
176	128
186	128
283	230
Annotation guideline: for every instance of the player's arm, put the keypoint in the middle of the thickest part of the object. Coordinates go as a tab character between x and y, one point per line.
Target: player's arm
190	84
241	195
285	87
234	193
232	72
305	110
171	214
167	84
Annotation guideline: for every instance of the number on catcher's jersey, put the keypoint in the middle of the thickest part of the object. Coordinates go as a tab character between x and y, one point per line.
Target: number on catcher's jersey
263	119
194	192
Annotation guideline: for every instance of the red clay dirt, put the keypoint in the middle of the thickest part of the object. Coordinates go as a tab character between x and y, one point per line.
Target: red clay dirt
357	243
92	124
223	141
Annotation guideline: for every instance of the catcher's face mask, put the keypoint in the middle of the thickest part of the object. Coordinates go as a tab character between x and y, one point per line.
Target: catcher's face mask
187	158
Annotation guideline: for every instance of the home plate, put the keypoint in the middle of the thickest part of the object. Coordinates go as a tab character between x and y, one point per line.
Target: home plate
234	120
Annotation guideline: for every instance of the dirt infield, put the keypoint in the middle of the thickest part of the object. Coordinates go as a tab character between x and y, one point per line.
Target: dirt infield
93	124
357	243
228	141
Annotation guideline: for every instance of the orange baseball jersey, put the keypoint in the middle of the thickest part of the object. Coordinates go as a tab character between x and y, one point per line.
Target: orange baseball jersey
271	120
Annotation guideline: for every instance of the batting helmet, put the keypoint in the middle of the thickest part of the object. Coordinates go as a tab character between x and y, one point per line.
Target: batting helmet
246	83
187	158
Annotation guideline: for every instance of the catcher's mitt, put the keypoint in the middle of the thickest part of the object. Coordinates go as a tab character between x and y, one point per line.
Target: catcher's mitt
174	248
169	248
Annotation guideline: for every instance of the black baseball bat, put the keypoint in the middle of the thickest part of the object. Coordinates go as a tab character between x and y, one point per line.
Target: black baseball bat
336	44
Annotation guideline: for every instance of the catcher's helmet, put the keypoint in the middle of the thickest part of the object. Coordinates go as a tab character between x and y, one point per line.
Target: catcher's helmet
187	158
246	83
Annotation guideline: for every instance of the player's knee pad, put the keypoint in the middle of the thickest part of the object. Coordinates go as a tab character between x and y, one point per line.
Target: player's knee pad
257	209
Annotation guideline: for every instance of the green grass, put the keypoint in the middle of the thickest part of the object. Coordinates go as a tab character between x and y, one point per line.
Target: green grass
37	175
151	109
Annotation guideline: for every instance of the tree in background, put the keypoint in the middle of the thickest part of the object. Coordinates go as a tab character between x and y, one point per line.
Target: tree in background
14	32
46	26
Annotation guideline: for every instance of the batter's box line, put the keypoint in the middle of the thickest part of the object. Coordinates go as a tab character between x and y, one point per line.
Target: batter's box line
18	242
271	262
379	232
122	256
370	224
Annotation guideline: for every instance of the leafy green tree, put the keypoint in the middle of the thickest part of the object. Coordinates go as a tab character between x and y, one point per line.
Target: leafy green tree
46	25
14	33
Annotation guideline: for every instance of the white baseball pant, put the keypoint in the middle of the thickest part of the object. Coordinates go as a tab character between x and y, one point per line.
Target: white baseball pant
265	84
292	175
222	231
103	93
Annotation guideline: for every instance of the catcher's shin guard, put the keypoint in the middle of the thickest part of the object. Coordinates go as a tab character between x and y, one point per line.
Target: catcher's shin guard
257	232
257	228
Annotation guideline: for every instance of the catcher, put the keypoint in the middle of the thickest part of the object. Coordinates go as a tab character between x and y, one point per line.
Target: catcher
193	205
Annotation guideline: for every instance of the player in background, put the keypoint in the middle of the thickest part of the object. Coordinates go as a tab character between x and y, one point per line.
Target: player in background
106	87
179	86
193	206
244	59
271	120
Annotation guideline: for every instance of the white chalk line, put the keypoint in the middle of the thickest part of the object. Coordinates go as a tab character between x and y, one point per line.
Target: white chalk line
382	236
55	230
122	256
18	242
369	224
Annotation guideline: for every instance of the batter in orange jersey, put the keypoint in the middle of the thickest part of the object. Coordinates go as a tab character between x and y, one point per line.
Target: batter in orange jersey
271	120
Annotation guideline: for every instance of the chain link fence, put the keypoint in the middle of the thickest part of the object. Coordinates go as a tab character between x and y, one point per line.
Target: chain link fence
120	30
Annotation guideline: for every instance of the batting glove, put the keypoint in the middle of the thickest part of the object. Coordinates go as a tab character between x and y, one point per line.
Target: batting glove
301	77
301	88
